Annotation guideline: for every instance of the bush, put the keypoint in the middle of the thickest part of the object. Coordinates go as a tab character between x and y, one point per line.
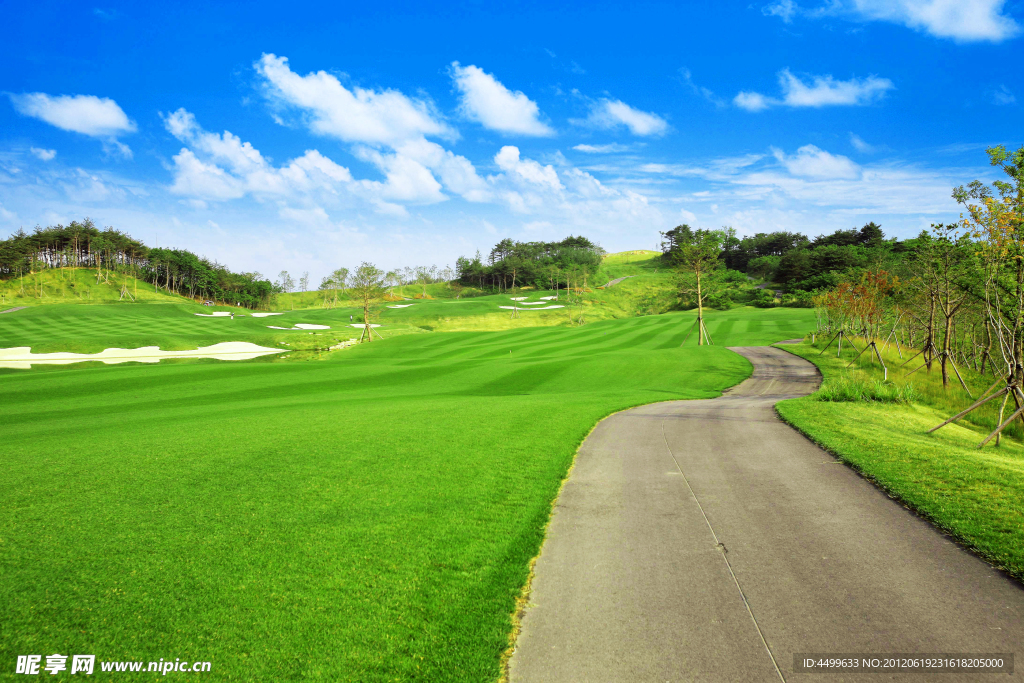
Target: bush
765	298
721	301
799	300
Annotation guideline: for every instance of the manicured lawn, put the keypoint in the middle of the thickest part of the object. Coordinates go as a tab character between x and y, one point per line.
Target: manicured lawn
975	495
369	516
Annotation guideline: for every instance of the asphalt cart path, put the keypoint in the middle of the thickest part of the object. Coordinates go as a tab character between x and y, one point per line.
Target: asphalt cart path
708	541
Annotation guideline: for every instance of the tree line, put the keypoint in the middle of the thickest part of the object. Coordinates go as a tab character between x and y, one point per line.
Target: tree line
116	254
545	265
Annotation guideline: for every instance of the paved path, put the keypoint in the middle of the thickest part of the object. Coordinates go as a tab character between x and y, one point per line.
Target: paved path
612	283
708	541
12	310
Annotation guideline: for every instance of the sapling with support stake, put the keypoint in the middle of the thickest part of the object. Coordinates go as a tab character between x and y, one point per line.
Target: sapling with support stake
695	254
996	222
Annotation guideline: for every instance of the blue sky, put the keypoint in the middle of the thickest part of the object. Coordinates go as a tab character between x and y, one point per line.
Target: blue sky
307	136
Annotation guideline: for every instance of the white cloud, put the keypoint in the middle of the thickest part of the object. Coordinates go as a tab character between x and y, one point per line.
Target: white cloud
487	101
407	180
1002	95
375	117
706	93
86	114
607	114
822	91
386	119
230	168
859	144
456	172
752	101
527	170
611	148
784	9
814	163
961	20
97	117
198	180
827	91
44	154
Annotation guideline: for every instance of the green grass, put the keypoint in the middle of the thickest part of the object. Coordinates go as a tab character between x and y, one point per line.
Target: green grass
77	286
367	517
880	428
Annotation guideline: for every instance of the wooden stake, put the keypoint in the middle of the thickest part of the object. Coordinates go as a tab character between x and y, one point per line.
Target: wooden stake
999	430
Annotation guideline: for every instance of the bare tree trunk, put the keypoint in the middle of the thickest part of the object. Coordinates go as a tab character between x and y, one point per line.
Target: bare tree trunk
945	351
700	312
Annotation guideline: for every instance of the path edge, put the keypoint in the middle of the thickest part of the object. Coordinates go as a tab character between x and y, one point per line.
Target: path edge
522	601
961	542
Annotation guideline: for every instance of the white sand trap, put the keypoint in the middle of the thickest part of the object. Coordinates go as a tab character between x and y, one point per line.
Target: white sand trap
401	306
548	298
22	358
510	308
532	303
264	315
518	298
362	325
301	326
218	314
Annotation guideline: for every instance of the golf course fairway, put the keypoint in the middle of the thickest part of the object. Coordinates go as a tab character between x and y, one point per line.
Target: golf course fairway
368	517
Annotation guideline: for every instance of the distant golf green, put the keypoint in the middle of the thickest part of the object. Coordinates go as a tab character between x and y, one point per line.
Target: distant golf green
366	517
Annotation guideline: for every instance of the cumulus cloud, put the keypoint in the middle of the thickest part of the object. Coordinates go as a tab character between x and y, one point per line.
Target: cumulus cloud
44	154
606	114
526	170
379	121
98	117
822	91
457	174
487	101
811	162
360	115
222	166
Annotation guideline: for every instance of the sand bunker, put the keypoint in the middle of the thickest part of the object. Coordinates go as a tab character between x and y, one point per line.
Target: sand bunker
548	298
22	358
545	308
264	315
532	303
301	326
518	298
401	306
218	314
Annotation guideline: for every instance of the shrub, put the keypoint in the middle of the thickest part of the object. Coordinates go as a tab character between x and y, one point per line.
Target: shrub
765	298
721	301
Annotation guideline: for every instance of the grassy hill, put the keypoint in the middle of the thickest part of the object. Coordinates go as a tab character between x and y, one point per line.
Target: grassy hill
367	514
78	286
